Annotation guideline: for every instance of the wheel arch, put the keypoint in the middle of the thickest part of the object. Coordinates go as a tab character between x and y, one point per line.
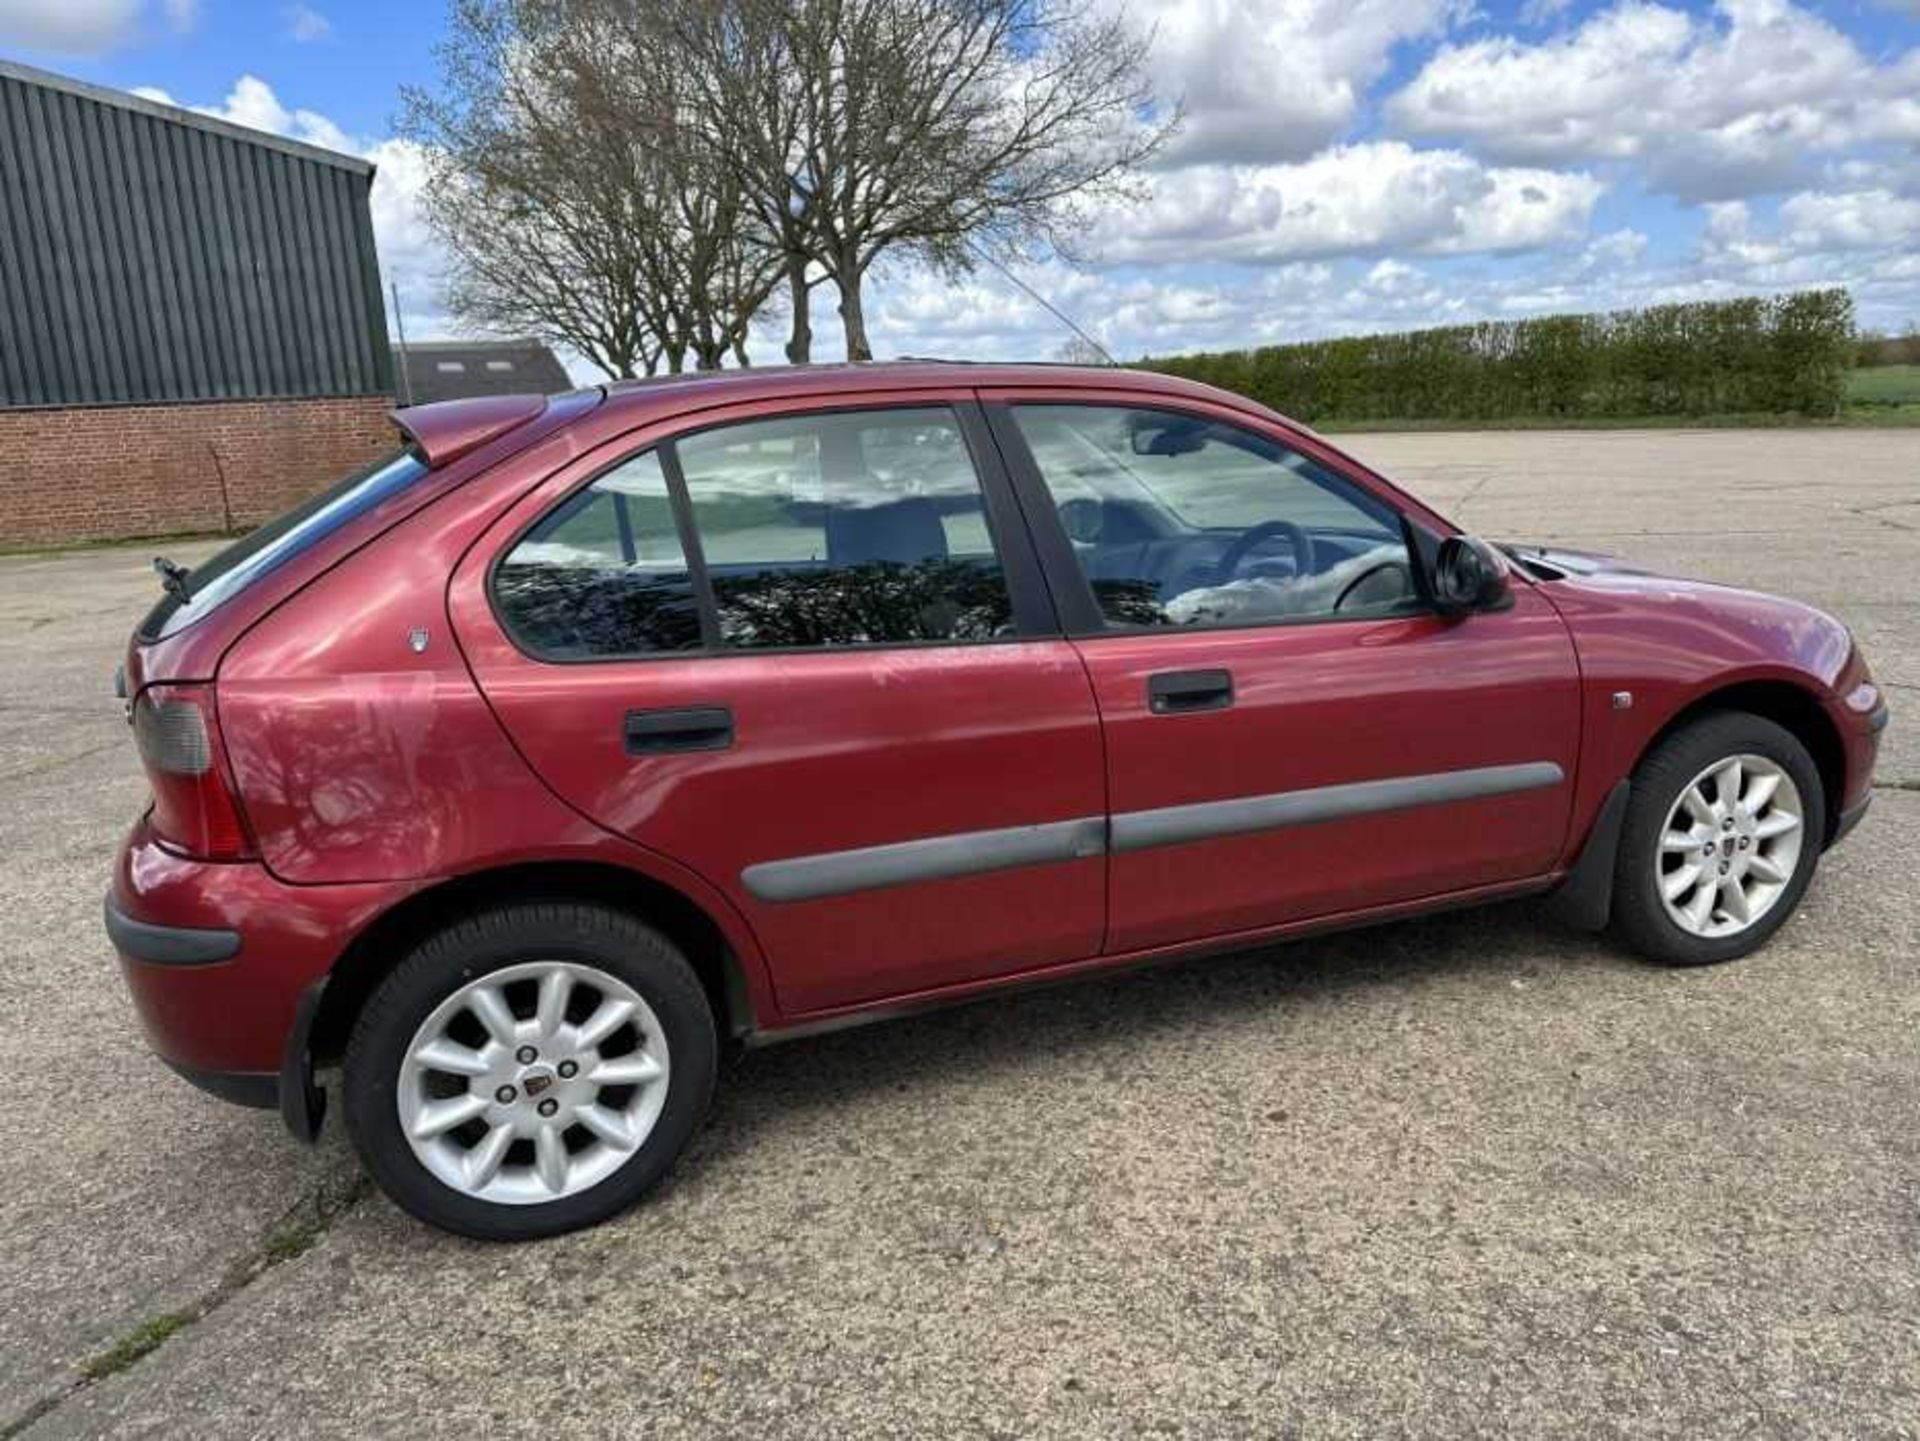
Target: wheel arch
1794	707
372	953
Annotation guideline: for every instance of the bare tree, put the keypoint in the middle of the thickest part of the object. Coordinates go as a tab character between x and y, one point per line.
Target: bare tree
951	124
753	111
925	129
570	206
710	265
636	178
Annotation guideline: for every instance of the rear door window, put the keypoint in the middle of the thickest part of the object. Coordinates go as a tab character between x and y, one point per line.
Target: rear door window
860	528
603	573
218	580
845	528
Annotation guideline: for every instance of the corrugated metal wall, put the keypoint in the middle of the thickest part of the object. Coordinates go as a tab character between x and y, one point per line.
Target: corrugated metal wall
143	259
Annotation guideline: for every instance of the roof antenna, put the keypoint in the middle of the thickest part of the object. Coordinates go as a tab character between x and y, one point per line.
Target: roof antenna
1055	311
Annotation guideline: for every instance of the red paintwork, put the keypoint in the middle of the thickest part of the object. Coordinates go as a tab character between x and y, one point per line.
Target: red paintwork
1673	642
233	1016
449	429
911	733
369	771
1511	695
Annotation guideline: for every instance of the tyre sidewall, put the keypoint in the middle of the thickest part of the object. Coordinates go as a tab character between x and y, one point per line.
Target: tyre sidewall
471	949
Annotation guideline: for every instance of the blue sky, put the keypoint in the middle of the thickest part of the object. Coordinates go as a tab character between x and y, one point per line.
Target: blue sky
1345	165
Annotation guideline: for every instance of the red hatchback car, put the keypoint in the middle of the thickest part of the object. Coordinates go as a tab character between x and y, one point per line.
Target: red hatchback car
521	772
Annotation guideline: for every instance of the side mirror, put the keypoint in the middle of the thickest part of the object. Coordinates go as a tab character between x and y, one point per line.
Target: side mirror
1470	575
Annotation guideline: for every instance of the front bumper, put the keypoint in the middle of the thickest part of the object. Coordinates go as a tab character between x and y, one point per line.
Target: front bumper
1850	818
1861	715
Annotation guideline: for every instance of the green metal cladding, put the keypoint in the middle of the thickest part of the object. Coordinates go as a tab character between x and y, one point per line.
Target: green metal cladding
151	255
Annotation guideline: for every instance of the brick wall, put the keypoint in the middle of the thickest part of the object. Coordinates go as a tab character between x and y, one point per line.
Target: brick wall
135	470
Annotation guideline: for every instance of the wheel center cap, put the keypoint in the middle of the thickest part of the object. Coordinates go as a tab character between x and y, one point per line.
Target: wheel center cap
537	1083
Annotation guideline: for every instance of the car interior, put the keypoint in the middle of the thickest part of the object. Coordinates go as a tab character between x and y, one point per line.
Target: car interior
1192	522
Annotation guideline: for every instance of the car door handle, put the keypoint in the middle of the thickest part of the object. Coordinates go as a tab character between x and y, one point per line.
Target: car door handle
1175	692
695	728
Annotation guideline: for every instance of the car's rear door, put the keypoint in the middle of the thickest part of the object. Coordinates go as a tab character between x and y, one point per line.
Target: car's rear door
808	654
1292	731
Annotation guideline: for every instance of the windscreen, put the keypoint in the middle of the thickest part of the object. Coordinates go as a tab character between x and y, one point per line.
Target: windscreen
220	579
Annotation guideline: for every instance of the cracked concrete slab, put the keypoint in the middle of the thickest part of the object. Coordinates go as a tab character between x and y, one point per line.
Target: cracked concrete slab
1473	1173
127	1196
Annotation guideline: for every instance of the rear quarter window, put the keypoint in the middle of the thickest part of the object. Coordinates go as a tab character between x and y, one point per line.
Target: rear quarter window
218	580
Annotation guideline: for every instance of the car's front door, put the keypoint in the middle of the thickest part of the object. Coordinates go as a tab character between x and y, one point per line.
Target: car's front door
1292	731
809	656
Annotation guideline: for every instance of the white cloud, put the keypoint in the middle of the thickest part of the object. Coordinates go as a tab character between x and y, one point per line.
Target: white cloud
1153	311
68	27
1266	80
1712	108
1854	220
984	317
253	103
1358	199
306	25
181	14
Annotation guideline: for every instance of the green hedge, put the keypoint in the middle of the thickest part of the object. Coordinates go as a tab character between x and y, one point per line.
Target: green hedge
1786	354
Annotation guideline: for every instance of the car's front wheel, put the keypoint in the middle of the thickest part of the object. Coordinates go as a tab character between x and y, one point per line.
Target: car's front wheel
529	1070
1723	830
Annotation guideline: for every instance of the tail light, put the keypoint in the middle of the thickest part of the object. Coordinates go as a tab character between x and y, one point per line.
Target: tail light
194	810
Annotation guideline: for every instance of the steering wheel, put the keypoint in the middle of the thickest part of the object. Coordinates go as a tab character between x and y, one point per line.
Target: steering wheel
1253	538
1351	586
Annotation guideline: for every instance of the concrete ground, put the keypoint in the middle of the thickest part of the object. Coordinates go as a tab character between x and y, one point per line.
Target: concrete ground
1467	1174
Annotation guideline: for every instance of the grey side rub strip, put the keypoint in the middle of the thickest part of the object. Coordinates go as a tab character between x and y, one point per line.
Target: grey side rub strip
838	873
1175	825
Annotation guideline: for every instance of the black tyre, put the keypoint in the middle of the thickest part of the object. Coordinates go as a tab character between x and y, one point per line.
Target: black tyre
1724	827
529	1070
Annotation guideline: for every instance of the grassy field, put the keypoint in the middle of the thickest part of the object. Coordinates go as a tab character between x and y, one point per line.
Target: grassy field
1897	385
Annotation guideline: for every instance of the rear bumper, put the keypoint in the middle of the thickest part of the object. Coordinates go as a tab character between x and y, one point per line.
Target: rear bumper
241	1088
291	1090
224	963
168	945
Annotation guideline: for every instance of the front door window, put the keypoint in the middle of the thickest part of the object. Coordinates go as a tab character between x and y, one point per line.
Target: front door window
1183	521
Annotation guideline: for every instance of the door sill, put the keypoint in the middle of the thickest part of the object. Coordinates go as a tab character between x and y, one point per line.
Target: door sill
840	1018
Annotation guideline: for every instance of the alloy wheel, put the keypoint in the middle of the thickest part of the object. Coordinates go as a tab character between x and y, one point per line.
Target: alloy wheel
533	1082
1730	845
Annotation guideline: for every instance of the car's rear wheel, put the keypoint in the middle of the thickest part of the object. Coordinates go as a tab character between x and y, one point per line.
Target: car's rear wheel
530	1070
1723	831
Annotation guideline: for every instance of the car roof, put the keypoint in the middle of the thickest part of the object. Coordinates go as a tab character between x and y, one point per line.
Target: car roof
724	387
445	430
